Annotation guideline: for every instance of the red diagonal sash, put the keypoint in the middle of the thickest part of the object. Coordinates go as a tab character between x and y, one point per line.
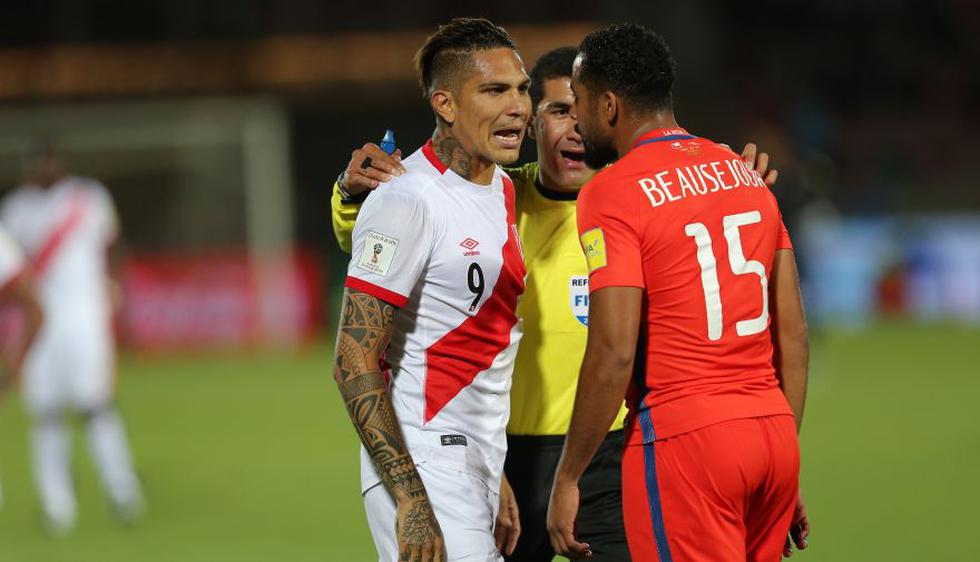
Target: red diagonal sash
43	258
459	356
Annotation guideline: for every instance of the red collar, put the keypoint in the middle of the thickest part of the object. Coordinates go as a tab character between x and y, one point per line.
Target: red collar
430	155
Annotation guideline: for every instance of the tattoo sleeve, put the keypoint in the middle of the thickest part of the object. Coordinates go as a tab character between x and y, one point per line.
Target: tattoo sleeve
365	328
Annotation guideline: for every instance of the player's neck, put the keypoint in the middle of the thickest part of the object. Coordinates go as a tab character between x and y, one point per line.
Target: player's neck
545	181
641	125
44	182
451	152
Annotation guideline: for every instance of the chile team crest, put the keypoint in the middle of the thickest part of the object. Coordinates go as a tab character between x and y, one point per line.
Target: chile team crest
578	292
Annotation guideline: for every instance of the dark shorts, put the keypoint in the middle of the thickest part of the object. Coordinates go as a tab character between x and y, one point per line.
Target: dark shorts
530	468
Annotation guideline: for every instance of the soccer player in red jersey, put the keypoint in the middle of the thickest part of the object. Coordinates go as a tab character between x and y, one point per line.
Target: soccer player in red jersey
695	307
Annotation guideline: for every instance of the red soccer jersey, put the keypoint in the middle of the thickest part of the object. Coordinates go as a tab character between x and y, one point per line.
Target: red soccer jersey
684	219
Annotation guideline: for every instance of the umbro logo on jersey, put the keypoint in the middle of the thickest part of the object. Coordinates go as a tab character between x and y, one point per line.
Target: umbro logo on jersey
470	245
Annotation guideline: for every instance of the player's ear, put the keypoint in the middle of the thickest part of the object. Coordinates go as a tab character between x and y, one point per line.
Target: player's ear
609	107
444	105
530	128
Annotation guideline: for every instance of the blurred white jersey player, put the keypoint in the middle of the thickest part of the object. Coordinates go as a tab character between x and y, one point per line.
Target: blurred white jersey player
16	292
445	251
66	226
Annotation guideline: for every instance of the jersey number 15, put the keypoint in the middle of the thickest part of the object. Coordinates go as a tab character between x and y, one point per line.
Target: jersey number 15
739	265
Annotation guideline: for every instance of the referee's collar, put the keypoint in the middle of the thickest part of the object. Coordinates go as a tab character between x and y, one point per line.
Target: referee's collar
551	193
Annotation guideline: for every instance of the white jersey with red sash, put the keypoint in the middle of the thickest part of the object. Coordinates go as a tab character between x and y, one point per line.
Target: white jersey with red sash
445	251
64	231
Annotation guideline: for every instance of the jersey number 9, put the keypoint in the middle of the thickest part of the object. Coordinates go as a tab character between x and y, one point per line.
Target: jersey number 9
474	278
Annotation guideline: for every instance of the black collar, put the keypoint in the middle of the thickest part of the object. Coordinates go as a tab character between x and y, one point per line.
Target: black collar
552	194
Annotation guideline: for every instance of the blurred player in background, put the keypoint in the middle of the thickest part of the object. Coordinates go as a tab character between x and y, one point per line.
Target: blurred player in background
432	293
687	256
554	312
67	226
16	293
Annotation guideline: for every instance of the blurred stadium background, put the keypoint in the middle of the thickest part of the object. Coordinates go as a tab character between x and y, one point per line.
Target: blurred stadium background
219	127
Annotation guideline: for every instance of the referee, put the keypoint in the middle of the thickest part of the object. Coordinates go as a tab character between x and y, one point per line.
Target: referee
554	310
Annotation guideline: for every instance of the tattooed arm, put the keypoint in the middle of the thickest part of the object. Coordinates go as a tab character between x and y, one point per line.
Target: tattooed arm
365	328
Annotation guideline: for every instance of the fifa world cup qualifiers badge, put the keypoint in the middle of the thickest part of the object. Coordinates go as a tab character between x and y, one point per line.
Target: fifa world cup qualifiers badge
594	245
379	251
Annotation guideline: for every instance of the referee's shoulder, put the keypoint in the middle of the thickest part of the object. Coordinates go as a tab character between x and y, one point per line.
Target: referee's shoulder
523	176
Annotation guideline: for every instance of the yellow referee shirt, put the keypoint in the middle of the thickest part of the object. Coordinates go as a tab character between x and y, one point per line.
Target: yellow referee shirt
554	308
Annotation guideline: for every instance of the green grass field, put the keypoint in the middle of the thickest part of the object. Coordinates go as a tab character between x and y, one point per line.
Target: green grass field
250	457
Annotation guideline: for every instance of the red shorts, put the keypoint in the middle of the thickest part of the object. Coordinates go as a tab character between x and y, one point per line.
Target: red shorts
722	493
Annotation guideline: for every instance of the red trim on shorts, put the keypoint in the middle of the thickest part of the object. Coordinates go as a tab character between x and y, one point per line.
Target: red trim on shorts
430	155
386	295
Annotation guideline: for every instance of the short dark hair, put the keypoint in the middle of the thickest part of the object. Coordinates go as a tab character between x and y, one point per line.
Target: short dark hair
446	52
631	61
556	63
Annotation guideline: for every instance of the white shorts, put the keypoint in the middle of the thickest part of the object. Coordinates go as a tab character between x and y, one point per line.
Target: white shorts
69	370
465	508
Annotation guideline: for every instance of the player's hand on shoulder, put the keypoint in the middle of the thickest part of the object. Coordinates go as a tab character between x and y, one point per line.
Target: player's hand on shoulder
507	529
419	536
369	166
759	162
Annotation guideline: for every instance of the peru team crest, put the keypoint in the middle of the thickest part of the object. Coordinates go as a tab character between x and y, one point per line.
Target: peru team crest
578	292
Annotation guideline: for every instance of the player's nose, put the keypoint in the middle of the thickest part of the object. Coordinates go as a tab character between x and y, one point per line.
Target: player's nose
520	105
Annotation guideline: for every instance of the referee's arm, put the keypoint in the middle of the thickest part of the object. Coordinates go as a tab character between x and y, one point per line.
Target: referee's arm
368	167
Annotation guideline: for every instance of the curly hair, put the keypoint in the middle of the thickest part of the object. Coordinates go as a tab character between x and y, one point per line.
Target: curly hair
556	63
631	61
446	52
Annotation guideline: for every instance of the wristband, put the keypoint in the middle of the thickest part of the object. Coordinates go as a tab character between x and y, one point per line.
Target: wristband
345	197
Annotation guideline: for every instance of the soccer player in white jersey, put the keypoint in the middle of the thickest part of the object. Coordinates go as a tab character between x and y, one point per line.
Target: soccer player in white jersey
429	331
66	226
16	291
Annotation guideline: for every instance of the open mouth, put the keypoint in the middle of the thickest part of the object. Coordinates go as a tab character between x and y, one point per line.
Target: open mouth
509	138
573	158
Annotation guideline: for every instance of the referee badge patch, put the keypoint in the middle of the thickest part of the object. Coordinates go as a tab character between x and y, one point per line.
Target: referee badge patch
578	292
594	245
377	254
